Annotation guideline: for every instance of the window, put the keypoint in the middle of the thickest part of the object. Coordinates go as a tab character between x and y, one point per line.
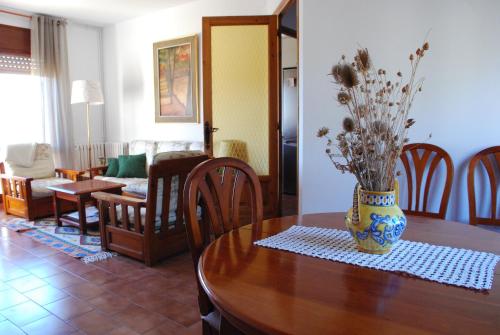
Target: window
20	108
21	115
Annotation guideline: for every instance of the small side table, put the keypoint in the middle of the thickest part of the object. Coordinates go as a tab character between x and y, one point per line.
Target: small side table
79	193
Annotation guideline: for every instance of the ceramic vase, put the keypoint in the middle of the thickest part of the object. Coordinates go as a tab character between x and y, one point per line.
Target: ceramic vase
375	220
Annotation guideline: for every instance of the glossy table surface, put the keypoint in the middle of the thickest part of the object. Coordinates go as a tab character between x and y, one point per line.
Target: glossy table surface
270	291
86	187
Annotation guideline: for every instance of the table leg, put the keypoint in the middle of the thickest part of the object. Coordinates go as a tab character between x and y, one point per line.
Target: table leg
57	210
102	224
82	215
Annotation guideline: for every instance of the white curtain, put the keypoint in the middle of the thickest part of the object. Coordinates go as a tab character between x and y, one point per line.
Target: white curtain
50	56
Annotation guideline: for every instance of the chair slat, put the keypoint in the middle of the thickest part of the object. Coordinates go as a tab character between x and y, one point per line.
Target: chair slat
112	214
241	180
137	219
430	173
217	226
125	218
492	179
409	178
165	210
179	222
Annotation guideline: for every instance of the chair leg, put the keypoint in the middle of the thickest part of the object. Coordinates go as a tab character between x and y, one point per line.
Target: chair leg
227	328
207	329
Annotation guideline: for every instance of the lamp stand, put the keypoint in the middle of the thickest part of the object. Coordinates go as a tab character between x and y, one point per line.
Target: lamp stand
88	138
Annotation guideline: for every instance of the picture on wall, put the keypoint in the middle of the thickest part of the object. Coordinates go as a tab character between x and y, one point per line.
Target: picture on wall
176	80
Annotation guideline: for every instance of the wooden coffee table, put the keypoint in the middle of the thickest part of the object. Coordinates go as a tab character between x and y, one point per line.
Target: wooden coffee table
79	193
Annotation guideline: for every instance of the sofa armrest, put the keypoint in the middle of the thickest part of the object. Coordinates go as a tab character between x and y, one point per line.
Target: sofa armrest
107	209
16	187
69	174
119	199
97	171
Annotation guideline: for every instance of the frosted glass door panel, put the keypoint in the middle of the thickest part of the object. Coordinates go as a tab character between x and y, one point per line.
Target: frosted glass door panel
240	90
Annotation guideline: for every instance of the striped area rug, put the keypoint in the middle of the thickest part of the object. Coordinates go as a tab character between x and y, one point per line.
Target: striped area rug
65	239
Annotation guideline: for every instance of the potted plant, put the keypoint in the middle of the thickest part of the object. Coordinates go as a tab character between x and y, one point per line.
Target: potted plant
370	143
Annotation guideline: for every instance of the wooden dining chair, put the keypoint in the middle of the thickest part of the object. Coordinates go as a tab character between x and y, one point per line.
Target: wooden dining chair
423	159
490	159
219	186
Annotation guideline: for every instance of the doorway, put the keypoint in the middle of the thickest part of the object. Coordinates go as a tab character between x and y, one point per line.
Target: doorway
289	108
240	96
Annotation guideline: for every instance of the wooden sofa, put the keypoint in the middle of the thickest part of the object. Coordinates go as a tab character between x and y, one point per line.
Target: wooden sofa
149	229
26	196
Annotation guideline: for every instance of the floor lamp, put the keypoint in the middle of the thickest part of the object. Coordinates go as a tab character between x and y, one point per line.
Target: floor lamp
88	92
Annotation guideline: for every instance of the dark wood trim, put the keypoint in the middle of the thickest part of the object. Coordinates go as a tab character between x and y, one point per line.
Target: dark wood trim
15	41
274	75
15	14
283	6
287	31
207	81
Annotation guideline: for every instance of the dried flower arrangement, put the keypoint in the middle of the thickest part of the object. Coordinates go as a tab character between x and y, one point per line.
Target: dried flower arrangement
376	129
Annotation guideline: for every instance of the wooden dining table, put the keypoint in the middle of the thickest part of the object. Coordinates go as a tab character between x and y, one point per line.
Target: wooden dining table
268	291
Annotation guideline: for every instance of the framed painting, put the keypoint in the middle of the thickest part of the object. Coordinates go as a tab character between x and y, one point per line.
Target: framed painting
176	80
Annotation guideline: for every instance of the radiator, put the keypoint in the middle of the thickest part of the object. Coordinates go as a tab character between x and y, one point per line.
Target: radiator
100	152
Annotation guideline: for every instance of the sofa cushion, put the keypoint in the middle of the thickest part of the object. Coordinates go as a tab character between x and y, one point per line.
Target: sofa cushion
39	186
165	146
126	181
22	154
141	190
43	165
196	146
175	154
112	170
132	166
143	147
137	188
171	217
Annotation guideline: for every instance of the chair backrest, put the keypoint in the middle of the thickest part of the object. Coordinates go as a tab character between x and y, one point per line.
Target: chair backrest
490	159
219	185
425	158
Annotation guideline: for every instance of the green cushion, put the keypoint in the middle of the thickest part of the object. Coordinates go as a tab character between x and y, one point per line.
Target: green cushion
112	170
133	166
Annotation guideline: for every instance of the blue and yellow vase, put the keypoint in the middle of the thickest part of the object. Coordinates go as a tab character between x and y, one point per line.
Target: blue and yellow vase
375	220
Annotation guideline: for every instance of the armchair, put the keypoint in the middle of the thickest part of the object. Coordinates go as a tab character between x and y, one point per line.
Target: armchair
149	229
24	188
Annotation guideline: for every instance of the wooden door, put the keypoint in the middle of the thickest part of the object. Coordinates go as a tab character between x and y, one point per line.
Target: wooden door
240	94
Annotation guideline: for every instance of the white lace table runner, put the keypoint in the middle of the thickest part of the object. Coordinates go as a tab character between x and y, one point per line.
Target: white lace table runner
455	266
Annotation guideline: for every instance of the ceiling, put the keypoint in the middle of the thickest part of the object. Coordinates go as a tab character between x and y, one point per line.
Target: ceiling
96	12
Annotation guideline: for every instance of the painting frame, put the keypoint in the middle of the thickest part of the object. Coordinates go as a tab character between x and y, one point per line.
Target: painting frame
189	112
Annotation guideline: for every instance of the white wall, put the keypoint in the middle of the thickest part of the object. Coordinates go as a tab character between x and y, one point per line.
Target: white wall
128	66
459	104
85	62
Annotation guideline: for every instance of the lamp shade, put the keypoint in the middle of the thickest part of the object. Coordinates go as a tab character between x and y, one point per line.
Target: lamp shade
86	91
233	148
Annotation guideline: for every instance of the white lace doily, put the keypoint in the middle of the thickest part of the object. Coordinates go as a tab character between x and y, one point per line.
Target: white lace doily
455	266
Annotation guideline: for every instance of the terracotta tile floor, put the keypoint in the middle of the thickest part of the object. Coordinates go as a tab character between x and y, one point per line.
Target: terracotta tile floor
43	291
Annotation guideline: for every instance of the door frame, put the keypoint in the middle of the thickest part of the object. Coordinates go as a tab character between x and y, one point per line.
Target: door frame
274	83
283	6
